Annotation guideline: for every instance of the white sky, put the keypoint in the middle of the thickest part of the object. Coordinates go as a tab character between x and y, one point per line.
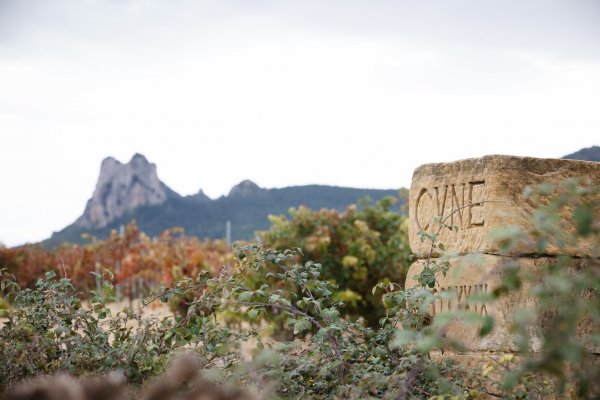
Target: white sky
349	93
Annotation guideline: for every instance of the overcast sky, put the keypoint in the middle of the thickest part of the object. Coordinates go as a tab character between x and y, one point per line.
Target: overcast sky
349	93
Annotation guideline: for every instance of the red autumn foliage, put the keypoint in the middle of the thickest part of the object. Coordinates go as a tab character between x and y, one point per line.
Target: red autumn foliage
138	259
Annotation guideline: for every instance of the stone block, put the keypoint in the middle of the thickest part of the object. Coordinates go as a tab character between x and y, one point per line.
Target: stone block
474	275
485	370
481	194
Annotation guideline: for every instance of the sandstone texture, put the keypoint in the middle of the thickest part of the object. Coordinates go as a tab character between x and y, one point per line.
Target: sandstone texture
492	367
122	188
469	278
473	276
479	195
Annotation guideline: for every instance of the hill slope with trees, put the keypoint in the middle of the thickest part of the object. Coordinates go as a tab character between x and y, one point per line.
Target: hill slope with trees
132	191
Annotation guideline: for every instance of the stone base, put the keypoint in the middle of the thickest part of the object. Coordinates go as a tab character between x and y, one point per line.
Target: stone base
472	277
481	371
485	371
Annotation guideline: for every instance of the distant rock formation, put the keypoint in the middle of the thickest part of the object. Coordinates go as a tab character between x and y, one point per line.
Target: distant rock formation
122	188
132	191
587	154
244	189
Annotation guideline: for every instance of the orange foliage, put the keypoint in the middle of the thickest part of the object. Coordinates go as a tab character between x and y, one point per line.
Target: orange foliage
137	257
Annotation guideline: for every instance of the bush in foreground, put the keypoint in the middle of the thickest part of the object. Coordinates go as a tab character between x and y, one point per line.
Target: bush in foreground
51	330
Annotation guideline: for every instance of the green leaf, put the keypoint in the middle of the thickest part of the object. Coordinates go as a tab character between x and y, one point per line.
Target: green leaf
330	313
388	300
402	338
301	326
572	351
274	298
426	344
583	218
374	289
245	296
252	314
50	274
488	325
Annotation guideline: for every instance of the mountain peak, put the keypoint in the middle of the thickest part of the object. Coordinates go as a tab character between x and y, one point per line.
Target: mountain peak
122	188
245	188
109	162
586	154
200	195
139	158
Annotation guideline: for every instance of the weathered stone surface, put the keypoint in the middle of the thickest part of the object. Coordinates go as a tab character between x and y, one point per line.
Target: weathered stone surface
478	364
122	188
480	194
492	367
474	275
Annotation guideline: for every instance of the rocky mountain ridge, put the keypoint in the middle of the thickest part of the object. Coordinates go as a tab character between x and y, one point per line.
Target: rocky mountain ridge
133	191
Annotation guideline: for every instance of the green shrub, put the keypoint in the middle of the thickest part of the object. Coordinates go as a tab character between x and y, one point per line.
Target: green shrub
357	249
50	331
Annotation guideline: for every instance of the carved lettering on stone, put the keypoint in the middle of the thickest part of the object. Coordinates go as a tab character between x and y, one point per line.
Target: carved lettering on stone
478	195
460	300
460	204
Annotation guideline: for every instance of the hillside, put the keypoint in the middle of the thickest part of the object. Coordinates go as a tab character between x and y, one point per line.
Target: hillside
133	191
587	154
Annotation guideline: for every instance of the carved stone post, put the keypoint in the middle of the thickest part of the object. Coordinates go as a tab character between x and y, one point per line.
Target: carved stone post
477	195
